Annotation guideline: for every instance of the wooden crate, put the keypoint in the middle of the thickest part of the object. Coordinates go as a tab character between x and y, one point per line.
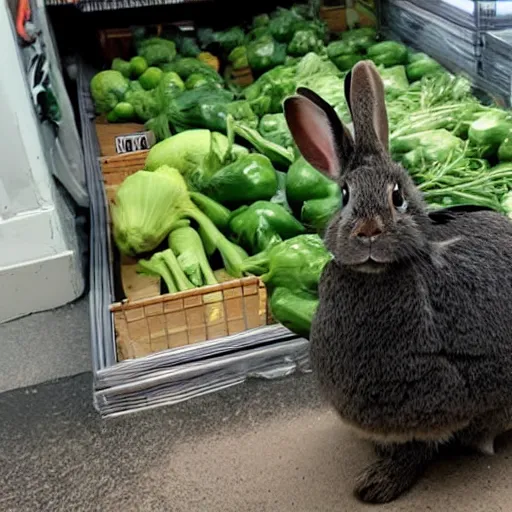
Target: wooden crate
107	133
174	320
116	168
147	322
335	18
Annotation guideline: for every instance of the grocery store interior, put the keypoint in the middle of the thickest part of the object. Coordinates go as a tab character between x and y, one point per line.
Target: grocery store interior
175	190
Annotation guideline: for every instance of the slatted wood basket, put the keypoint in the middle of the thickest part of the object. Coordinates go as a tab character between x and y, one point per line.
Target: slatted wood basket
147	322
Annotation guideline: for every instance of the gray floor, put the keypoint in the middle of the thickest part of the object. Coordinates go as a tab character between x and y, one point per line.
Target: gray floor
45	346
264	446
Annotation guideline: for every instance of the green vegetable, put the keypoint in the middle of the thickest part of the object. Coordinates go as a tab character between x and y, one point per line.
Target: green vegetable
208	107
262	225
148	205
265	53
395	81
275	153
122	66
424	147
304	41
159	265
420	65
507	204
261	20
171	83
227	39
293	310
346	62
150	78
248	179
238	57
188	248
276	85
188	66
361	39
137	66
195	80
284	24
490	130
124	111
463	179
216	212
108	89
505	150
296	264
311	195
344	54
275	129
197	154
144	103
187	46
388	53
157	51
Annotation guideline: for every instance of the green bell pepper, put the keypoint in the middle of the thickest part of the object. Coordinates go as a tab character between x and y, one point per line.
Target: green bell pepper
388	53
420	65
313	197
262	225
250	178
294	310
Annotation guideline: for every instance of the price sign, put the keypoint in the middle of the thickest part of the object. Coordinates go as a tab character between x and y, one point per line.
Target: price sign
486	9
134	142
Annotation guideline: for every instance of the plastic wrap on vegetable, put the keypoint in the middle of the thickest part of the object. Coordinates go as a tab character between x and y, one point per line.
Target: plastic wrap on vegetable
314	198
262	225
490	130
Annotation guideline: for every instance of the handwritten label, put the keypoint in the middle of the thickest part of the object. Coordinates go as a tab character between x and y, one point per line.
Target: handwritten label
134	142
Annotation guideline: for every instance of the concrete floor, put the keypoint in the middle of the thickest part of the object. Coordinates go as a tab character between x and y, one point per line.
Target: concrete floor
265	446
45	346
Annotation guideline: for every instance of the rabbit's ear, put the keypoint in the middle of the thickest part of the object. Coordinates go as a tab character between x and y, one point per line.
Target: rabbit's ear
318	132
364	91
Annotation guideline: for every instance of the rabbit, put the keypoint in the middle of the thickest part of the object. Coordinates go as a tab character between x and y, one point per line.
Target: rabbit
412	339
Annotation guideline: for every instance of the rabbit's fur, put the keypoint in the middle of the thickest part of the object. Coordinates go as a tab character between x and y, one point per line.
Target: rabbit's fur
412	339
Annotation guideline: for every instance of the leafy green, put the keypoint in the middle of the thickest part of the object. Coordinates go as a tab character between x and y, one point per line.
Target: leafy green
188	248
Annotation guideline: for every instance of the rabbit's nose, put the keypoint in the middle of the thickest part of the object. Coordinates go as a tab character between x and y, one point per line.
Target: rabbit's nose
368	230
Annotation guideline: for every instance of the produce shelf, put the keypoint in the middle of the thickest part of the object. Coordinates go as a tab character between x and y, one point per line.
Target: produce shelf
172	375
114	5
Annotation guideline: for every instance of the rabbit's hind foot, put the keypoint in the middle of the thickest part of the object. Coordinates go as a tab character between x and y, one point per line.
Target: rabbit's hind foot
395	473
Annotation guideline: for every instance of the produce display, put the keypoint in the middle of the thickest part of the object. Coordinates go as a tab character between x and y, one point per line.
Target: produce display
225	187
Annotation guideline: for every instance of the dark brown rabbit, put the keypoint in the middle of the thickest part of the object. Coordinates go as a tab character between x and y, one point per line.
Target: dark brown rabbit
412	339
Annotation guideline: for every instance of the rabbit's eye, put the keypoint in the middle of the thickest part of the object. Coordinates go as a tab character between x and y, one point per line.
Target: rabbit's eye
344	195
398	199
